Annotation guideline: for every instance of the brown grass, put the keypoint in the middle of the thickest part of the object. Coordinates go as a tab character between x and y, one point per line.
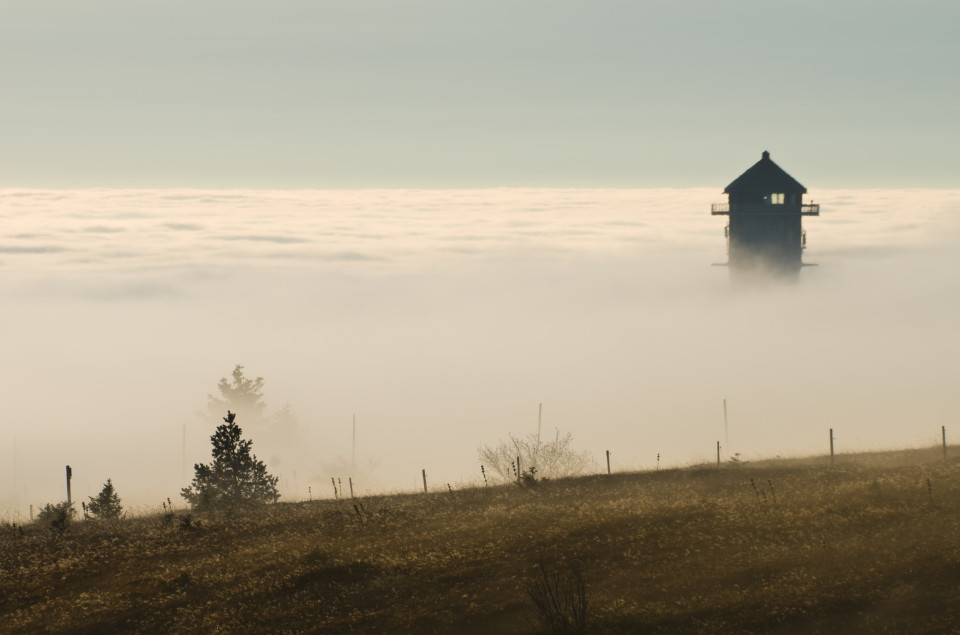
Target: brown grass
865	547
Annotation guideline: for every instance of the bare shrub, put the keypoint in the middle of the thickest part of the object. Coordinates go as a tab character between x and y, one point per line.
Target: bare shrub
559	596
552	458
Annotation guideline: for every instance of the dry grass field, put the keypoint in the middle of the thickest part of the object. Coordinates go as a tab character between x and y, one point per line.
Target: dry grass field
869	545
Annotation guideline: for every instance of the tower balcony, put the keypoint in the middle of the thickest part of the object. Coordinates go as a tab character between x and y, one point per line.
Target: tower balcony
764	209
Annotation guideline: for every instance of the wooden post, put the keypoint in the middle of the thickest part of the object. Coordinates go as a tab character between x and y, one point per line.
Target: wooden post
519	470
69	476
539	420
183	455
350	479
831	446
608	462
726	428
943	433
424	481
718	454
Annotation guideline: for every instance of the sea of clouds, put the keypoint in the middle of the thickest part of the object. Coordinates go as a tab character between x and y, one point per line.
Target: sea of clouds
443	318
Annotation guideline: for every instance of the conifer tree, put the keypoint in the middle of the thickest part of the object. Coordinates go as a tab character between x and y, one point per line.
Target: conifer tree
106	504
240	394
235	478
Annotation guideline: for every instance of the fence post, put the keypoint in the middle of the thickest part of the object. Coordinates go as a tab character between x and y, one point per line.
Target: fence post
831	446
350	480
608	462
718	454
69	476
424	481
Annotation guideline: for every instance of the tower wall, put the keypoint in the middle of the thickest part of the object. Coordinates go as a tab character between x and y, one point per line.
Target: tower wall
765	236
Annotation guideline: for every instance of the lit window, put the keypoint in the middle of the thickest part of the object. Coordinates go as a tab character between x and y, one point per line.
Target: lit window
777	199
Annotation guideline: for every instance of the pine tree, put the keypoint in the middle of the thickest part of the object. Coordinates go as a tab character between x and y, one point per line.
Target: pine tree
235	478
240	394
106	504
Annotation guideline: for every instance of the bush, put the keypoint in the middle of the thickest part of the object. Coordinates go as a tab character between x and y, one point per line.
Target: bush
56	517
552	459
235	478
530	478
106	504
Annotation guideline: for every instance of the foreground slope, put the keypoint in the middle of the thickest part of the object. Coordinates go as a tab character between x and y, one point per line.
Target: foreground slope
869	545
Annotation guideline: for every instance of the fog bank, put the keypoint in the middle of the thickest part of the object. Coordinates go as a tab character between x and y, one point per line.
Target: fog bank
442	318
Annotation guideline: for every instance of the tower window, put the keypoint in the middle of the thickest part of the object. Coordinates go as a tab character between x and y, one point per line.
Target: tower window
777	198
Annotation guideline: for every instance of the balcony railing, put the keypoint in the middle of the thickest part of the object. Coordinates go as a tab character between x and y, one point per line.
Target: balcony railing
807	209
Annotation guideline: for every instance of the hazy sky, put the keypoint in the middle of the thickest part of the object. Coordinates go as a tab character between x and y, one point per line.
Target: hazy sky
381	93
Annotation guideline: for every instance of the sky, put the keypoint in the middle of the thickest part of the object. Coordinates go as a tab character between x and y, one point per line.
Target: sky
431	93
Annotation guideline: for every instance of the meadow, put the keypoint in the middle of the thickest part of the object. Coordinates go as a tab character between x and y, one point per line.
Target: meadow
870	544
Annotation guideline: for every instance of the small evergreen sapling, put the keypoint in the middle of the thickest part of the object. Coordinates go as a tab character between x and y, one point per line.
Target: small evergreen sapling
56	516
235	478
106	504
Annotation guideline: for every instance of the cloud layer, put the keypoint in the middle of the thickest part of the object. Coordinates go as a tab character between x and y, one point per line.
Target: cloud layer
443	317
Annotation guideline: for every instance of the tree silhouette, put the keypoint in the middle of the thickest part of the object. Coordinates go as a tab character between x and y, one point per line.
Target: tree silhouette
239	394
106	504
235	478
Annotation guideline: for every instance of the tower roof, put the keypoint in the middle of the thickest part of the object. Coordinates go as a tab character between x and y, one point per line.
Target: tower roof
763	178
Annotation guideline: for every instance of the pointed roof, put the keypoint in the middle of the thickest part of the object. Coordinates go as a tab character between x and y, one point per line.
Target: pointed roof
765	177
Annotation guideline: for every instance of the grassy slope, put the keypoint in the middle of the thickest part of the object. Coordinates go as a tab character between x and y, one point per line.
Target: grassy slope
866	546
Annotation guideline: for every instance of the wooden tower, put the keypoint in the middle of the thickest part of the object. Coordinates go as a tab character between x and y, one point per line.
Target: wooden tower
765	236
